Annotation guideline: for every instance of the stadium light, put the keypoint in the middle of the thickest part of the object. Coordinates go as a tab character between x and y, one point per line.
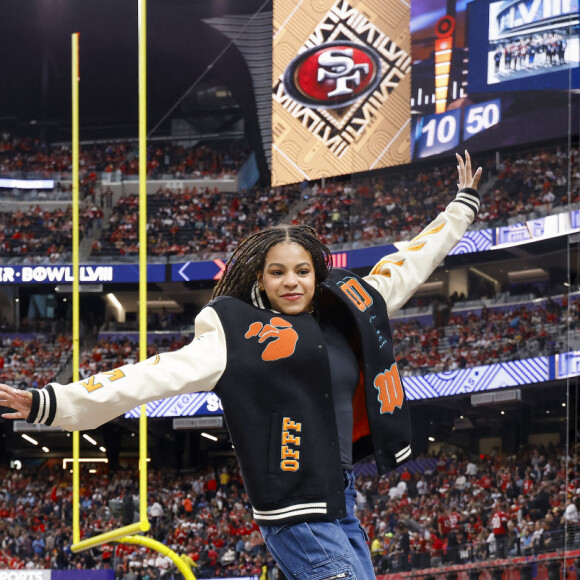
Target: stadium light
46	449
432	439
117	306
208	436
30	439
89	439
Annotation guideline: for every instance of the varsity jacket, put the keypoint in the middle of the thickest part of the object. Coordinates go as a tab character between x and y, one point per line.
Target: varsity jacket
272	374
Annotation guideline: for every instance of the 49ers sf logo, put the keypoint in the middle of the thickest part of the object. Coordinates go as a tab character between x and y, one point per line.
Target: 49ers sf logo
285	338
332	75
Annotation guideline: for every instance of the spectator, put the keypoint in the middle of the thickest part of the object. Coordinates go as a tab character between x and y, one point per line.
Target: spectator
499	521
403	547
128	508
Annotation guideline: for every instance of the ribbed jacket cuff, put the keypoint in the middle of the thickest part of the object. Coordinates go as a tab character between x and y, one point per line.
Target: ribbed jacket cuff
403	454
43	406
469	197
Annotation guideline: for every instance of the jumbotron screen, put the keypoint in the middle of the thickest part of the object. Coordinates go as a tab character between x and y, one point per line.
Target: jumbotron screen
341	87
362	85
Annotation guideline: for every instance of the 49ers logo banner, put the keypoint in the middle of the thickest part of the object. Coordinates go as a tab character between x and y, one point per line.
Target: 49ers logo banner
333	75
341	87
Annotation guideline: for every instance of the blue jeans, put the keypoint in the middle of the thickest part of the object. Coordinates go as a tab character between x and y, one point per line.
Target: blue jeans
323	550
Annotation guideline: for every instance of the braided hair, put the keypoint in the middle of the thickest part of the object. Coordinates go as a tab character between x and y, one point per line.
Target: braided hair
249	258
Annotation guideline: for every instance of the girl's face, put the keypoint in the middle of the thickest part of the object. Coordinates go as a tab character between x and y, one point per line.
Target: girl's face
288	278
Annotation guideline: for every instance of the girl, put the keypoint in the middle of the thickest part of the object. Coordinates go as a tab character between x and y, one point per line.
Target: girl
301	356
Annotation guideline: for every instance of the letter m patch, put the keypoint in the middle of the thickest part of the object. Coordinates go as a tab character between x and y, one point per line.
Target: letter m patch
390	389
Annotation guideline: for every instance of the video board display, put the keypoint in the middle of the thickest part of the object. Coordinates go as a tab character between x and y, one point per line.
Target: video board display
341	87
502	78
530	43
480	75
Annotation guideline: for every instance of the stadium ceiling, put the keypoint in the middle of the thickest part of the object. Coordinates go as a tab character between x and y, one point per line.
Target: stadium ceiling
35	41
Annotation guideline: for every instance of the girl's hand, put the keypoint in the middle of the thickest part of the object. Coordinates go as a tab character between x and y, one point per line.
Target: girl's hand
466	177
20	401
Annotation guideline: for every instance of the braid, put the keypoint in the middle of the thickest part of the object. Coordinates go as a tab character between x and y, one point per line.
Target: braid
249	257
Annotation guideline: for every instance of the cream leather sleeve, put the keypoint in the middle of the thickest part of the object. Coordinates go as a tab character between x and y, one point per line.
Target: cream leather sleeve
91	402
398	275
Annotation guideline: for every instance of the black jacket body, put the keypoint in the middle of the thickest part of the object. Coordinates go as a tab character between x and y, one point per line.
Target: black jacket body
277	400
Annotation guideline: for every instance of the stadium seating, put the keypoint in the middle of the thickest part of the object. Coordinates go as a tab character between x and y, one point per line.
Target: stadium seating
436	512
198	224
29	158
444	504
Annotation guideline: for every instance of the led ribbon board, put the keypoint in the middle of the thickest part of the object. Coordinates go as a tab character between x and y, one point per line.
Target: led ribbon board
517	373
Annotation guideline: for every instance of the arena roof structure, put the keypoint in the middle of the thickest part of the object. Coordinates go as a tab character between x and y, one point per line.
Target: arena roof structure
184	50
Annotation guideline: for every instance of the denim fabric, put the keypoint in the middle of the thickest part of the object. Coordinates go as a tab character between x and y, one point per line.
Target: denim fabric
333	550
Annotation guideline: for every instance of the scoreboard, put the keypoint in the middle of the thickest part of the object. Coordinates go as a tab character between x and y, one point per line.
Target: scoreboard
363	84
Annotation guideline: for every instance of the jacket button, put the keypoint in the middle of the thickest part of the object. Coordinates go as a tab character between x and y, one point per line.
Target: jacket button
380	452
333	442
326	395
320	347
340	512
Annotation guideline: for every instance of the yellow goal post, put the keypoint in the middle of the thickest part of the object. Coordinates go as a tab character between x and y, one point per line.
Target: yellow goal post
125	534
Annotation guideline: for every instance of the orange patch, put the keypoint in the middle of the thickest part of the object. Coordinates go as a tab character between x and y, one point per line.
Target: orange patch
378	267
415	248
390	389
430	232
115	374
90	385
356	294
290	457
284	338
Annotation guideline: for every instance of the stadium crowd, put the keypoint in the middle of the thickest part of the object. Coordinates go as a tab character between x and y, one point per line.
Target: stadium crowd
20	155
43	232
397	205
193	222
458	510
33	360
473	337
377	210
199	223
438	510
